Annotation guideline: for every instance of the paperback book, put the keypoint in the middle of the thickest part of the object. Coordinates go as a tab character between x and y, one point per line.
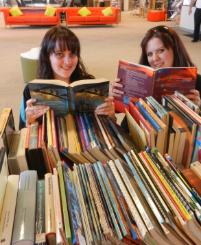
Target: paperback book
82	95
141	81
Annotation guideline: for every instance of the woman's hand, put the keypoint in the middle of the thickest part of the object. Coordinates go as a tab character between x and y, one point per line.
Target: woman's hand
106	108
34	111
194	95
116	88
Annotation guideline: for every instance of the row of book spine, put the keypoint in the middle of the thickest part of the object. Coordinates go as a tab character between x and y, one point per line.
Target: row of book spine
142	199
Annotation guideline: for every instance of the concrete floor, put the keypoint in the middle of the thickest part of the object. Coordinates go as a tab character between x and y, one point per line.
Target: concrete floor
102	47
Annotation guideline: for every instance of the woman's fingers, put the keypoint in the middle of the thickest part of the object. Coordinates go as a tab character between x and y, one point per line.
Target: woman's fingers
30	102
194	96
34	112
116	89
106	108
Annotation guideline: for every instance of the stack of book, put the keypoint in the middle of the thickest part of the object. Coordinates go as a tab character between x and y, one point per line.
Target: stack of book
141	200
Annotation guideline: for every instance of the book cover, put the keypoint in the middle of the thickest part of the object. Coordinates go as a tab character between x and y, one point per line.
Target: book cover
141	81
8	210
24	223
82	95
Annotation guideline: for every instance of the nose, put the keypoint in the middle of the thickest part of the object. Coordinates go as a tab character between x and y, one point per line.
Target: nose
67	59
155	56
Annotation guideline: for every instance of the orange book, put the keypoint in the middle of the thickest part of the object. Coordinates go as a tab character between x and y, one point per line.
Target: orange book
144	124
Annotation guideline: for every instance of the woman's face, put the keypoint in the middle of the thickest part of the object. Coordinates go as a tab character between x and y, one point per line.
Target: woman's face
63	64
158	55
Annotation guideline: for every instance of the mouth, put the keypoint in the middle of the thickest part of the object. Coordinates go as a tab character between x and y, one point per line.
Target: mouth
158	65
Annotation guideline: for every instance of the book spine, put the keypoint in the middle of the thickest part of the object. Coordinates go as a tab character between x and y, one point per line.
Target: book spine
85	221
121	200
73	205
98	201
134	196
90	199
57	208
148	116
144	190
8	210
111	198
3	175
40	213
133	210
64	205
49	206
25	209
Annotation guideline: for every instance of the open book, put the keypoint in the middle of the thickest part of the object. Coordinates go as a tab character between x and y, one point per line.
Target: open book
141	81
82	95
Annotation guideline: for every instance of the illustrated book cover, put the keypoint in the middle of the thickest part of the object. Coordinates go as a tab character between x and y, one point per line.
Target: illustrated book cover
141	81
82	95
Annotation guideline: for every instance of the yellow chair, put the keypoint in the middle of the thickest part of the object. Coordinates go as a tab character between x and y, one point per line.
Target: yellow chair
29	64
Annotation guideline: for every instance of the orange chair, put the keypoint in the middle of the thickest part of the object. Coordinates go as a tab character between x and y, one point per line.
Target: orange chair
156	15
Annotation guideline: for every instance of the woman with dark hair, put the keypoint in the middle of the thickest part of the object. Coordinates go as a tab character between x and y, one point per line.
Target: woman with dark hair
162	47
59	59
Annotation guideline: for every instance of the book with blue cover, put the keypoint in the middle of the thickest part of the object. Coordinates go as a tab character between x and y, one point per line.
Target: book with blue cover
81	96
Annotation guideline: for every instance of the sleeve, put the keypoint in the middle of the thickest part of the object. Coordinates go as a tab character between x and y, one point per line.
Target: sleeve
198	83
26	96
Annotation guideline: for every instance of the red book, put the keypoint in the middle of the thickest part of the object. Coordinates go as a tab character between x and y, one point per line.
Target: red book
141	81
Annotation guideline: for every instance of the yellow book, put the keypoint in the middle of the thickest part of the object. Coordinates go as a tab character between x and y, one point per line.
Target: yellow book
50	228
185	214
136	132
74	149
8	210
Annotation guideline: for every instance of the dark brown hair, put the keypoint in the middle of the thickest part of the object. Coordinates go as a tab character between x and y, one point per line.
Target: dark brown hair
66	40
170	40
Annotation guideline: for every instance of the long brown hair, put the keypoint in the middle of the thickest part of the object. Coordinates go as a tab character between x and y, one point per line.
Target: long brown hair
171	40
66	39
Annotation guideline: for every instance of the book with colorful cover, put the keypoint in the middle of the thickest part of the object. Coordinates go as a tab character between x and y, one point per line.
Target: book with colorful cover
141	81
82	95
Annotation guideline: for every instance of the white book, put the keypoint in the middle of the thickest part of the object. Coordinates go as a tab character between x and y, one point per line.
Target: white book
57	206
8	210
24	224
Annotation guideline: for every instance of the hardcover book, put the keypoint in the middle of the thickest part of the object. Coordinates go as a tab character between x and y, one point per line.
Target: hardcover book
82	95
141	81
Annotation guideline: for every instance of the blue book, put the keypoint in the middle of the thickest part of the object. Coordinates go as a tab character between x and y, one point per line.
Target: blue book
147	116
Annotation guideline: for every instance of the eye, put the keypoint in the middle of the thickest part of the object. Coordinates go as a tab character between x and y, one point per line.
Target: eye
59	54
72	56
160	51
149	54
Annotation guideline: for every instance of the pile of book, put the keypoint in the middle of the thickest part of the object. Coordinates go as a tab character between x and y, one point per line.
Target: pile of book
141	200
85	137
173	128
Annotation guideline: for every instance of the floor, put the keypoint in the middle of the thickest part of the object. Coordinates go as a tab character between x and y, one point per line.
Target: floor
102	47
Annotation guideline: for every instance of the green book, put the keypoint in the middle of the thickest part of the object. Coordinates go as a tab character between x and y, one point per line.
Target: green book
64	205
